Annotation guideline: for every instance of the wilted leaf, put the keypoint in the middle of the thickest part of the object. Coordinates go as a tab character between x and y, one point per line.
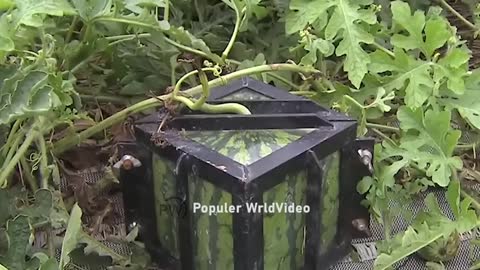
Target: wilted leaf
41	208
7	200
96	247
18	231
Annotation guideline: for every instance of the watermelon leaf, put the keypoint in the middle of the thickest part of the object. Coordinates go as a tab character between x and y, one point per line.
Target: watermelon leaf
95	246
428	227
72	235
428	143
347	20
435	29
30	12
304	12
90	9
407	243
468	103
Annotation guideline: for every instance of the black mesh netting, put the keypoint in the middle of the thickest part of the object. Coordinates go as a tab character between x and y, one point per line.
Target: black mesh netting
365	248
367	251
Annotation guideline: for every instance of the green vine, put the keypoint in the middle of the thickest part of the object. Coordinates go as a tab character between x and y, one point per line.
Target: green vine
399	68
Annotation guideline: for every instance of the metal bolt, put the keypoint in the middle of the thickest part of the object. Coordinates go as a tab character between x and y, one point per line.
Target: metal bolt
361	225
132	225
366	158
127	162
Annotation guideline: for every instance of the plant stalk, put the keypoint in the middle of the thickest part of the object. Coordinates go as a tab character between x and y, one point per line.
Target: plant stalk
458	15
273	75
383	127
11	164
238	21
13	148
11	136
104	98
206	90
70	141
43	161
27	172
70	30
166	11
213	57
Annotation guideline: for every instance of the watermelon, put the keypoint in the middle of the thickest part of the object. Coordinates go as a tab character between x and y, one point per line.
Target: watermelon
283	232
246	146
329	201
165	205
212	234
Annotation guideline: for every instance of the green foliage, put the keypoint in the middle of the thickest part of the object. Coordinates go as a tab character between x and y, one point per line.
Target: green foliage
424	35
403	61
346	19
428	143
18	234
468	103
430	227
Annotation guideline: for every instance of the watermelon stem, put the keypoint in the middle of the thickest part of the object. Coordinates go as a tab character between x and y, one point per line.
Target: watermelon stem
205	88
200	103
74	139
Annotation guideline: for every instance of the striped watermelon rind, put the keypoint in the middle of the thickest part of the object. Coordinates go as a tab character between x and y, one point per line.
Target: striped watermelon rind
284	233
212	237
165	189
246	146
329	201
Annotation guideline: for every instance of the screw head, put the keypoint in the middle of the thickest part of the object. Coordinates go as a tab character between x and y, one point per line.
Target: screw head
127	165
361	225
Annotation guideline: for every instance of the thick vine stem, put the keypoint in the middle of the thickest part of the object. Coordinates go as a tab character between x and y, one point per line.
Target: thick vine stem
200	103
217	108
178	85
70	141
205	89
11	138
166	11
